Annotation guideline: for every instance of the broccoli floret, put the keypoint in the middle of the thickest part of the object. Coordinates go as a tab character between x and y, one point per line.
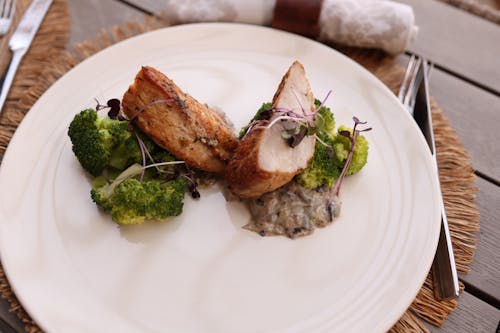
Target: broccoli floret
325	122
94	138
322	169
131	201
342	145
134	202
100	142
327	162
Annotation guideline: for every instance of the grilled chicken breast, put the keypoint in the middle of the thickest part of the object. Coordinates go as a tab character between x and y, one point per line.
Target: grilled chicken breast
179	123
264	161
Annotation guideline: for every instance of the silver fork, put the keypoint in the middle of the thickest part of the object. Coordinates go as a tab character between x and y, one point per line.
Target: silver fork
7	10
414	94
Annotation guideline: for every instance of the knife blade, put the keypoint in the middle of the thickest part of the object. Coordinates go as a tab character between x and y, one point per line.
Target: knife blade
21	40
445	278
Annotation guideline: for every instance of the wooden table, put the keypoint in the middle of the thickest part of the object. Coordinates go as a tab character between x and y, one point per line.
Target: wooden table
465	83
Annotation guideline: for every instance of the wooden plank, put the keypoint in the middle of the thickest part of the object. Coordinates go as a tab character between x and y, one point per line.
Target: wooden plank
485	269
475	115
90	17
459	41
471	315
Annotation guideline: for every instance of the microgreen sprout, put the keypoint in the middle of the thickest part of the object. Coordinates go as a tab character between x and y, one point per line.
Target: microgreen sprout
193	185
159	164
99	106
114	108
333	202
187	173
299	125
323	101
323	142
113	105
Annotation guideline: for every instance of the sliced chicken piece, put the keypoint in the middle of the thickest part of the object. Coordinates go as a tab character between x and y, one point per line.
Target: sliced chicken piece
191	131
264	161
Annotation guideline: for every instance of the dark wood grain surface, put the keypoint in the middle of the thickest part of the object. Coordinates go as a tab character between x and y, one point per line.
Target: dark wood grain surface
473	112
458	41
466	84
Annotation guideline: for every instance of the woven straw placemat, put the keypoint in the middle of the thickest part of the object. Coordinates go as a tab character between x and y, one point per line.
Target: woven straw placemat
46	61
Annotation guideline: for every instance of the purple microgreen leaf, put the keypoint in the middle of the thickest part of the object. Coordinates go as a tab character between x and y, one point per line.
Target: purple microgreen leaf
357	121
113	113
365	130
195	194
345	133
193	185
114	105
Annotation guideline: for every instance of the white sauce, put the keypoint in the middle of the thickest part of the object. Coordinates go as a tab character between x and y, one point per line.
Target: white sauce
292	211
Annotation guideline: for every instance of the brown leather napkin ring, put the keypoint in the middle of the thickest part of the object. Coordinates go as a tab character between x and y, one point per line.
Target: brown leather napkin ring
298	16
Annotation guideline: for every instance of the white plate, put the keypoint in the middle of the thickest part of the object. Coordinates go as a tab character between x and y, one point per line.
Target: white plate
74	270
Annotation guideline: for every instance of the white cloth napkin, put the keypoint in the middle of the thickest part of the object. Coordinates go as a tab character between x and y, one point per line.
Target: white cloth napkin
381	24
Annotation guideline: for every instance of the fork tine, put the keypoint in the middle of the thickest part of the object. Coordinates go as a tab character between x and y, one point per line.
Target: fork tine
413	85
404	83
6	7
11	5
7	10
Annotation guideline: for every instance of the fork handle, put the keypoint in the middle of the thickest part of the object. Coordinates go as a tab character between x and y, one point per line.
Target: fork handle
9	75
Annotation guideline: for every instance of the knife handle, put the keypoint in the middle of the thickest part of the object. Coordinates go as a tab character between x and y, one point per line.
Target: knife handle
9	75
444	273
